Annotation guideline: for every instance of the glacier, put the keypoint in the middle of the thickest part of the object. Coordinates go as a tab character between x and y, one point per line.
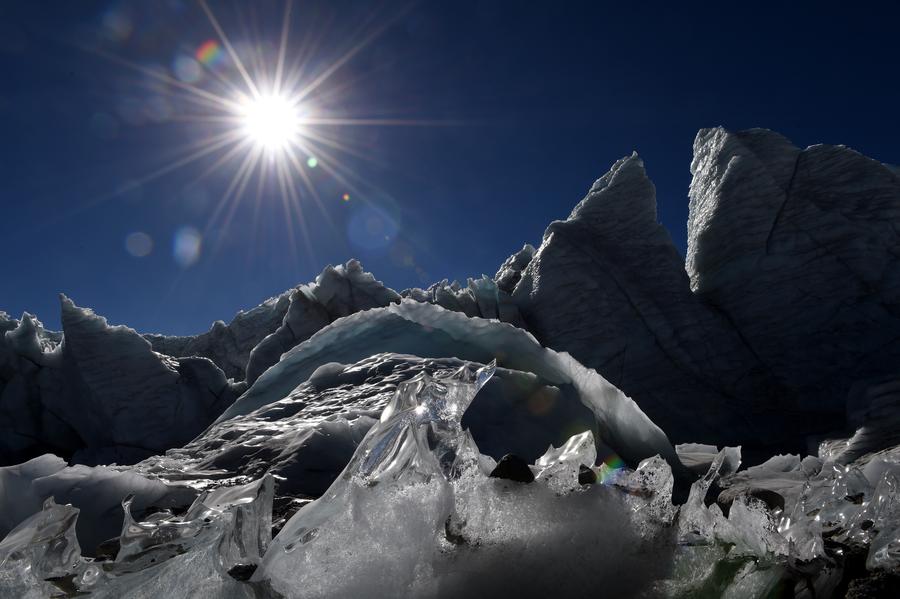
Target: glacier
601	414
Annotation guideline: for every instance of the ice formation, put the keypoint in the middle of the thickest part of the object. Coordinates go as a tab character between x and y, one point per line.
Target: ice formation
430	331
100	394
650	335
798	248
415	513
507	437
307	437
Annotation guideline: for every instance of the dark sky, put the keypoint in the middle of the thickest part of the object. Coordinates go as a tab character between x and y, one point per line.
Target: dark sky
535	101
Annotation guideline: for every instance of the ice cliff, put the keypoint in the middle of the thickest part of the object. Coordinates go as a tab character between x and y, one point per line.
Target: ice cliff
578	419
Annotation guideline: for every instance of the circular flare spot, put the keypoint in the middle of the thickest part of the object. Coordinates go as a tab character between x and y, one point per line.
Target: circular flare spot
138	244
186	246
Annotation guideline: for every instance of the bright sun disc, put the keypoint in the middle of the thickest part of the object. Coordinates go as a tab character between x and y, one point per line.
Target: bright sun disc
271	121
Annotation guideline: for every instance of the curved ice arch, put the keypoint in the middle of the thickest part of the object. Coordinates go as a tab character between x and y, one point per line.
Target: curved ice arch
427	330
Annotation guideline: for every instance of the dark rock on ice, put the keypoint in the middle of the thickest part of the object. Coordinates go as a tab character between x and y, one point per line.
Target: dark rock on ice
586	476
512	467
242	572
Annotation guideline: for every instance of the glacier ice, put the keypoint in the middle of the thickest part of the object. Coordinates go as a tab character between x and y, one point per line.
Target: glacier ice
100	392
350	420
415	514
798	248
337	291
649	334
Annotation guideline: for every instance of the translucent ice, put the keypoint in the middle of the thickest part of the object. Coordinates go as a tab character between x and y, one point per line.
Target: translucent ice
697	524
415	514
884	551
45	543
559	468
399	474
754	531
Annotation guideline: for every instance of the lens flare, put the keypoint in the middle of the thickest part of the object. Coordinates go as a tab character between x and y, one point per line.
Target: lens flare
272	117
138	244
611	469
209	53
186	246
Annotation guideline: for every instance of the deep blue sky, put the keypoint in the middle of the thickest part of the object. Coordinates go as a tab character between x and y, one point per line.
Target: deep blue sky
541	98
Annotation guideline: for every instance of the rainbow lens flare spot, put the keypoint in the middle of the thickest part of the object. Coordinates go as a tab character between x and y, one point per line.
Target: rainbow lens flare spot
311	162
209	53
610	469
346	197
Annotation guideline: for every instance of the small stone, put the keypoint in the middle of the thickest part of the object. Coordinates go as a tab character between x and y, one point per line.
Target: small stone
586	476
108	549
512	467
242	572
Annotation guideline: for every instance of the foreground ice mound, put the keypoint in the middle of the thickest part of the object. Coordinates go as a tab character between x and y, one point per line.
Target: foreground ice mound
421	511
414	514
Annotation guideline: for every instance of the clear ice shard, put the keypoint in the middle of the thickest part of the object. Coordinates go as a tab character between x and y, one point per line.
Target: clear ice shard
559	468
753	530
649	493
238	519
399	474
884	551
43	546
697	524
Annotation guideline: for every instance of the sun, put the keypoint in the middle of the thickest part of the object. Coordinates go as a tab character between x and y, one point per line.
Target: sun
273	122
277	118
